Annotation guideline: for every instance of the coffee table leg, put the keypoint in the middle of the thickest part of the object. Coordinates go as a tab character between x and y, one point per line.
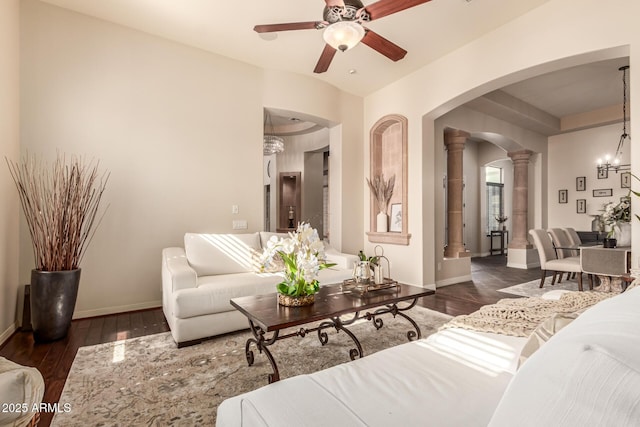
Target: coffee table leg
262	346
396	311
339	326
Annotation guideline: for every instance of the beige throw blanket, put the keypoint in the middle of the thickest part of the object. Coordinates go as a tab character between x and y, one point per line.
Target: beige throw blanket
520	316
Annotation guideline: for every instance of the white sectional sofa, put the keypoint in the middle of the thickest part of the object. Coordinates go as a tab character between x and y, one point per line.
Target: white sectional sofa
587	374
199	280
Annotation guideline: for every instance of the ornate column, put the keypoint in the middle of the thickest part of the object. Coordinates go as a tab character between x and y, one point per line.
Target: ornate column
454	141
520	203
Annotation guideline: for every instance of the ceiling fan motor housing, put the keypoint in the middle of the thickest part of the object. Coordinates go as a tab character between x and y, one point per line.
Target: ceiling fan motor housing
349	12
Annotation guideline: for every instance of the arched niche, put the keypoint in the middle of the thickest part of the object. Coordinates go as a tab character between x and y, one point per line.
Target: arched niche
388	148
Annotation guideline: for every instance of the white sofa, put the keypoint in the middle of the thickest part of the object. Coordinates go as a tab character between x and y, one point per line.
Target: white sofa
588	373
199	280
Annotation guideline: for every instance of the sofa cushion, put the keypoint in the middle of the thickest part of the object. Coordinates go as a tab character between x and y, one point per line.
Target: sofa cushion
211	254
586	374
214	292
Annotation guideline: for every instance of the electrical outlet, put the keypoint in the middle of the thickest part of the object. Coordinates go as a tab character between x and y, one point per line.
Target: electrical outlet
234	209
240	224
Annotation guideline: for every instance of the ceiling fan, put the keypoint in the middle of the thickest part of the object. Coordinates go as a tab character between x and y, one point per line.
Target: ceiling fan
343	29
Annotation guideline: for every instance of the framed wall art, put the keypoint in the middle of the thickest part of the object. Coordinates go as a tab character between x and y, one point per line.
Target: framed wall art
563	196
603	192
603	173
395	218
581	206
581	183
625	180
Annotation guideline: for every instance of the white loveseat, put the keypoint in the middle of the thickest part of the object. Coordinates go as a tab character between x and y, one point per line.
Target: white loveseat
587	374
199	280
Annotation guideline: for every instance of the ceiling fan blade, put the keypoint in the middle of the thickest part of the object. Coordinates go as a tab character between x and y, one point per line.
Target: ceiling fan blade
330	3
389	49
383	8
325	59
270	28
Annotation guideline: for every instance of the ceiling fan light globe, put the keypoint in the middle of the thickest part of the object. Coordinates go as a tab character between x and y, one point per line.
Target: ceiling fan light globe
343	35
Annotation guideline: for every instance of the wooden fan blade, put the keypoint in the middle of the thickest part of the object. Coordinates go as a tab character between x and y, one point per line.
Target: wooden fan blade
383	8
271	28
389	49
325	59
331	3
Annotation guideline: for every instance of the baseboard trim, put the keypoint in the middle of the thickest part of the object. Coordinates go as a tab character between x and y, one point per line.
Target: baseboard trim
524	266
453	281
116	310
8	332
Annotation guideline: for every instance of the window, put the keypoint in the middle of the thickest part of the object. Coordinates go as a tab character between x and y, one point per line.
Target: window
495	197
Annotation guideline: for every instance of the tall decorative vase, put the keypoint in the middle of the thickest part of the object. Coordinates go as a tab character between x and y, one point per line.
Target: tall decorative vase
623	233
53	299
382	223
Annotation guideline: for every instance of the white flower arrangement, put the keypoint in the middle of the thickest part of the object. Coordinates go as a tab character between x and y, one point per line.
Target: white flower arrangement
303	256
615	213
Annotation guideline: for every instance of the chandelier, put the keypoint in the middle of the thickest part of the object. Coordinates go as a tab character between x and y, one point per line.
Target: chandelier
614	164
271	143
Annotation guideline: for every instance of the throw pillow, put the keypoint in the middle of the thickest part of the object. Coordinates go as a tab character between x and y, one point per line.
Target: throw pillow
544	332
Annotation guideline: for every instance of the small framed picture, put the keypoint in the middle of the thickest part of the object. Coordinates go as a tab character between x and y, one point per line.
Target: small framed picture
563	196
603	173
581	183
396	218
625	180
603	192
581	206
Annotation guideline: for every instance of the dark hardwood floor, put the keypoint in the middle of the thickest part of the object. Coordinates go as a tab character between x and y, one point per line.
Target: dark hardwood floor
54	360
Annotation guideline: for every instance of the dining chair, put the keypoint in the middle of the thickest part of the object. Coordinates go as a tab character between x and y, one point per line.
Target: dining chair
561	240
573	236
549	261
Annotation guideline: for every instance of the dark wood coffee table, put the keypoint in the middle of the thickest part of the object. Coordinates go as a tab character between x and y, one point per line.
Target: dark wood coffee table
266	316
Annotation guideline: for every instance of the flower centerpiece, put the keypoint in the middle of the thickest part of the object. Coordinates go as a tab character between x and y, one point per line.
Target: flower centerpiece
303	255
382	191
618	216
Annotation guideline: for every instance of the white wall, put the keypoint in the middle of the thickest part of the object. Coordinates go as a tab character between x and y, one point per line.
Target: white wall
550	37
572	155
179	129
10	146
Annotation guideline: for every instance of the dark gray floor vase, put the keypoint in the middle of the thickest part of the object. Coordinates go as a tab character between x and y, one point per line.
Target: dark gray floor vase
53	299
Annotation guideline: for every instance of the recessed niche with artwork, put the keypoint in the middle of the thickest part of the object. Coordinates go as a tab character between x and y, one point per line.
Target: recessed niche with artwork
388	157
289	206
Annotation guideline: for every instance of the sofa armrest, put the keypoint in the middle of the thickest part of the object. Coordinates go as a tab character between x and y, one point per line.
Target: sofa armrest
176	272
343	261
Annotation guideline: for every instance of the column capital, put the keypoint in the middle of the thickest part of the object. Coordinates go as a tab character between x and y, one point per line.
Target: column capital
521	155
455	136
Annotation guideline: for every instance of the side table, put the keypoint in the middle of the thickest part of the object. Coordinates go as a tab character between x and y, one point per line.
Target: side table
504	241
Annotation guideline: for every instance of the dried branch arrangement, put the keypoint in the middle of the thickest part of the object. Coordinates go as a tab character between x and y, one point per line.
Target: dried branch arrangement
61	205
382	190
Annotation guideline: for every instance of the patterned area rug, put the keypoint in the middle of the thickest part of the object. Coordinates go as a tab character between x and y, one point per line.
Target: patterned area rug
532	288
148	381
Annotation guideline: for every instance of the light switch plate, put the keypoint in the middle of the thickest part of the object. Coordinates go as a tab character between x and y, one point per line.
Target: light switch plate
234	209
